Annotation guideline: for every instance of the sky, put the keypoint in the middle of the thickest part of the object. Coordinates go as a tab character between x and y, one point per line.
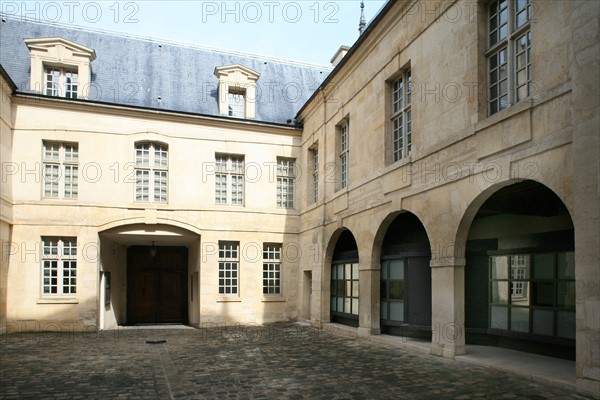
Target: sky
309	31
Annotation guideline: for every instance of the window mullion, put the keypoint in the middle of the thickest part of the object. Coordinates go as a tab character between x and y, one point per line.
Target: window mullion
61	171
228	185
510	56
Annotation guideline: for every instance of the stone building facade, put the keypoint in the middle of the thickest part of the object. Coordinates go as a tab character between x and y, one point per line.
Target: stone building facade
440	182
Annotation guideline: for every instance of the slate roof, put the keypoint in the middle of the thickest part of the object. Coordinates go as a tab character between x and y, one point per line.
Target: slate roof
136	72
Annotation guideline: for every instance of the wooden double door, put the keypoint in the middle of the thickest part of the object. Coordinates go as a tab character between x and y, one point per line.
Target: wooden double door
157	284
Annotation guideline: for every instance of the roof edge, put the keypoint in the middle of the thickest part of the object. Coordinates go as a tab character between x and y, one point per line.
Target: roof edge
8	79
226	119
353	49
259	57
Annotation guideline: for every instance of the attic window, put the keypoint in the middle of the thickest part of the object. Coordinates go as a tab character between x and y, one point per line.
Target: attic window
237	91
61	82
60	67
237	103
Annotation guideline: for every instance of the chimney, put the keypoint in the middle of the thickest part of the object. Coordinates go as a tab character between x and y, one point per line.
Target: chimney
337	57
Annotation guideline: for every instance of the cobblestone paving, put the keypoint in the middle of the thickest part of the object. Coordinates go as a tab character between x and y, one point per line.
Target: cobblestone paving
280	361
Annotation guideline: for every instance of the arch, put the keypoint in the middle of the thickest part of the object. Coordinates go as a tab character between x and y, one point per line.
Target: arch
517	239
475	204
122	222
402	250
147	262
341	277
333	240
383	229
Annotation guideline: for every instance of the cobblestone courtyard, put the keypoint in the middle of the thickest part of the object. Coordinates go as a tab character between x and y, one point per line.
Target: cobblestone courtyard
281	361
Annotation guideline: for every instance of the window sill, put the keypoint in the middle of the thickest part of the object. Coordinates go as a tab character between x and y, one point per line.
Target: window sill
58	301
505	114
278	299
398	163
229	300
58	200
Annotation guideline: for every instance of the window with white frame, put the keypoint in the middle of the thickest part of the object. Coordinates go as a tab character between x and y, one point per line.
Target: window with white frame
59	266
151	172
271	268
314	167
229	264
401	116
286	182
509	52
61	165
236	103
229	179
62	82
343	154
237	90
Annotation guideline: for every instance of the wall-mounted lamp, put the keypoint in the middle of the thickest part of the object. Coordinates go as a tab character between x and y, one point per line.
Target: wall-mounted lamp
152	250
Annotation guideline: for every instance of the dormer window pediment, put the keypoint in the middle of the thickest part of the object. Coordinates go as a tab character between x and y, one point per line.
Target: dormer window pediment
237	91
60	67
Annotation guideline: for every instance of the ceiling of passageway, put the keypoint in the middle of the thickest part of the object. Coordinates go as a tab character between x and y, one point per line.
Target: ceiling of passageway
144	235
523	198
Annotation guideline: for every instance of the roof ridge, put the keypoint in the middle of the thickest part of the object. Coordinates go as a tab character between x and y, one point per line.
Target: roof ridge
150	39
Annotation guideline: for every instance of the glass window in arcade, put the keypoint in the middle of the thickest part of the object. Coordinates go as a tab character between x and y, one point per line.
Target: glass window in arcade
533	293
344	288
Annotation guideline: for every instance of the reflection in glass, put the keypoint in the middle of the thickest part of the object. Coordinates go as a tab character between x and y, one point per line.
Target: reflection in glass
499	317
519	267
566	265
396	290
566	294
396	269
543	321
347	305
500	292
354	271
543	293
499	267
519	319
397	311
543	266
565	324
519	293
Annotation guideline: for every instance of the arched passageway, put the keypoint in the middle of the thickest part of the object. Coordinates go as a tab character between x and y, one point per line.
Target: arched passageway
520	272
345	280
405	289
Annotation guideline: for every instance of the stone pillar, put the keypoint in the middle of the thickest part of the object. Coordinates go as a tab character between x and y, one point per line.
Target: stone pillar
448	307
368	308
585	111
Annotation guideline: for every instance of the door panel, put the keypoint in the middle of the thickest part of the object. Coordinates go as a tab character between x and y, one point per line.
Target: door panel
144	295
171	296
157	286
419	291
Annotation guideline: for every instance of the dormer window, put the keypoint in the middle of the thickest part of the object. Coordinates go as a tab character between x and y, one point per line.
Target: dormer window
237	104
62	82
60	67
237	91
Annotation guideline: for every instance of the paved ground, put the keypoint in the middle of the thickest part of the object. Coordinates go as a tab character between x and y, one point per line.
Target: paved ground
281	361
